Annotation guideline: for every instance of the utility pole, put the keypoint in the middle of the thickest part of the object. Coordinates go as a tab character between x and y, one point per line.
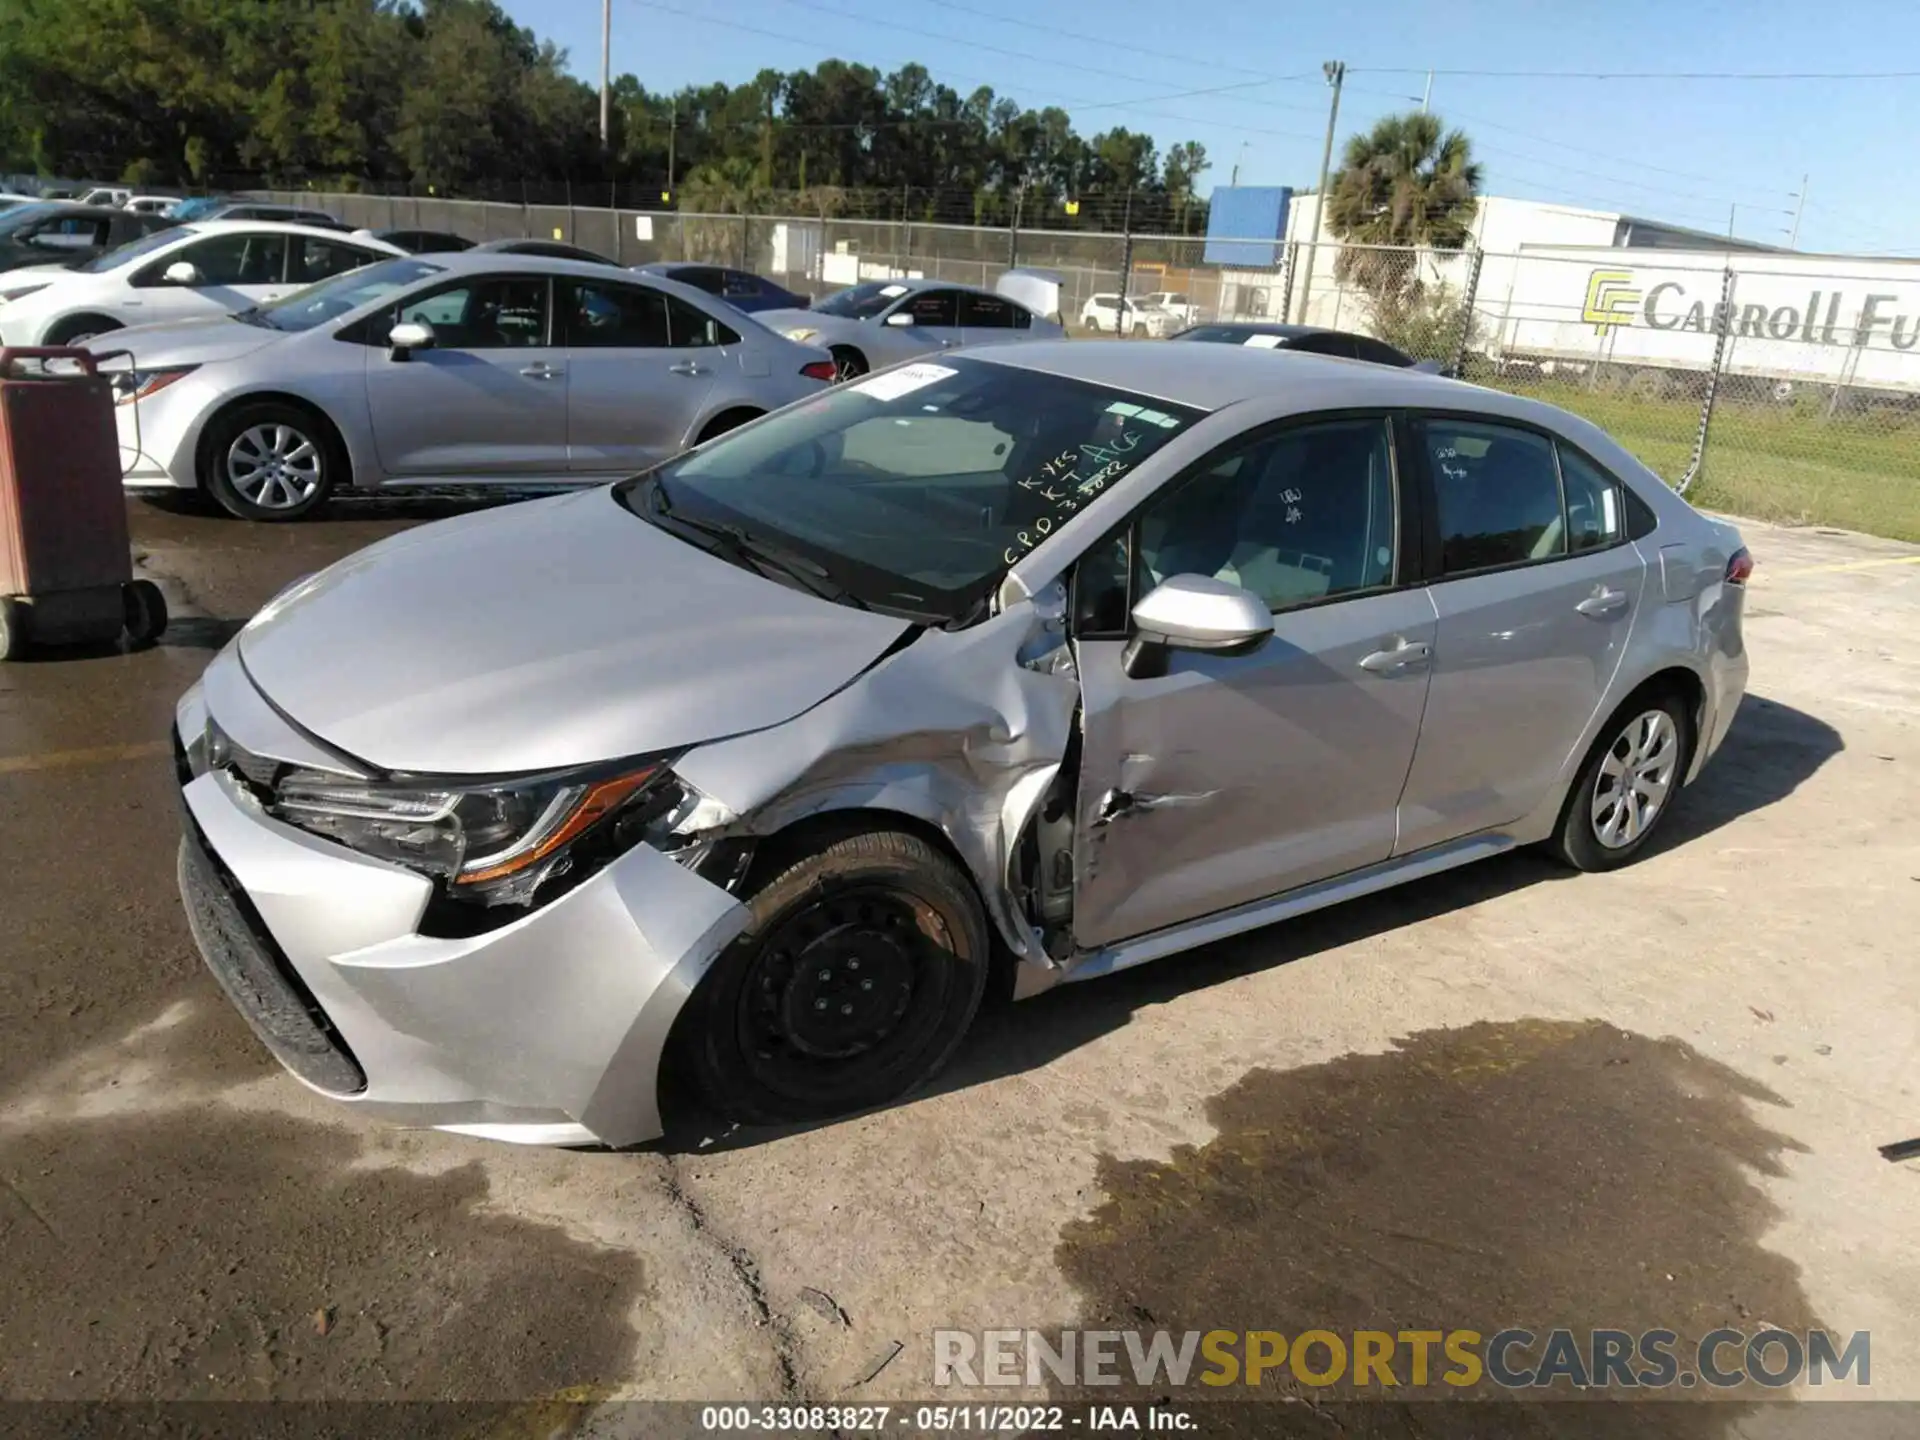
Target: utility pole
1426	94
1336	73
673	130
1240	155
1732	210
606	73
1799	204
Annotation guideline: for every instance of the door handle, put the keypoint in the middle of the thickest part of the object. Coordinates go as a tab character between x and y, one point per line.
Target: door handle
541	371
1602	603
1397	657
688	367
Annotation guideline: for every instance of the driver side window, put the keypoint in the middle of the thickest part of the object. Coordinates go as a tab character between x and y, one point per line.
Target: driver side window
1296	516
503	313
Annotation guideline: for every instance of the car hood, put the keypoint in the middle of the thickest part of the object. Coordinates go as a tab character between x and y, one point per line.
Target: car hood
192	342
543	635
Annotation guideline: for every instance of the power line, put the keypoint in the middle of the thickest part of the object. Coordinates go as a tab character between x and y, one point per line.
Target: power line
1030	58
1644	74
813	43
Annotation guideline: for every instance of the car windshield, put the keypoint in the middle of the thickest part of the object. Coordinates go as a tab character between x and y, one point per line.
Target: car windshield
133	250
862	302
331	298
914	490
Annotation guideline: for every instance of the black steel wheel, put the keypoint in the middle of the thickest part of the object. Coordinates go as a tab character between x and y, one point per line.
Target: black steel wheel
859	975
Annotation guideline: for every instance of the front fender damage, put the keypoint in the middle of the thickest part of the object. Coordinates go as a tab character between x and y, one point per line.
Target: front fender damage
963	731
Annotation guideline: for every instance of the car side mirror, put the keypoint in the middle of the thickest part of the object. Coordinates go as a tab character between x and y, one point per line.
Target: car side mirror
408	336
182	272
900	317
1194	612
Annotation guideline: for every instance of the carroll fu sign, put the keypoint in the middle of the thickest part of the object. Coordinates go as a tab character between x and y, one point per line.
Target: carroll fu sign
1826	316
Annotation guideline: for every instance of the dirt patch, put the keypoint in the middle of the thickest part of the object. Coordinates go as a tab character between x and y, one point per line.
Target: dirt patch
211	1256
1537	1174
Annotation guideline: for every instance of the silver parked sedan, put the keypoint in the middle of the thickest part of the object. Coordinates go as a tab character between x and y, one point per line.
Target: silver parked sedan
469	368
881	322
1031	664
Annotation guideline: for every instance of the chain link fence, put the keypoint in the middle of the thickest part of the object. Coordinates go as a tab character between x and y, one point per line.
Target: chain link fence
1782	386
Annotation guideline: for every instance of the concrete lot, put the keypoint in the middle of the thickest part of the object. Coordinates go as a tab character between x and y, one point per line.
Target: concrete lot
1507	1095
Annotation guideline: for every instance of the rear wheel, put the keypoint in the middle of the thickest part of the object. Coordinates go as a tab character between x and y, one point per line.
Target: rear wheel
1629	782
848	364
727	420
859	973
270	461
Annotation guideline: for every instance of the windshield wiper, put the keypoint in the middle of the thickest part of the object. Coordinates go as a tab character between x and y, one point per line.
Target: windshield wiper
751	552
253	316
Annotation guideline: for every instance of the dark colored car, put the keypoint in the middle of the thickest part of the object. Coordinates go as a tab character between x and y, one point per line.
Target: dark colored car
739	288
420	242
1312	339
253	210
57	233
547	249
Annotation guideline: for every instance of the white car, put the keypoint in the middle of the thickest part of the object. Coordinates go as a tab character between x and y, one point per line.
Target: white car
880	322
151	204
1176	305
1100	313
112	196
185	272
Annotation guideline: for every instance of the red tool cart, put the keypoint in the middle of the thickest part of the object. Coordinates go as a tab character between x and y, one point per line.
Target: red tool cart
66	570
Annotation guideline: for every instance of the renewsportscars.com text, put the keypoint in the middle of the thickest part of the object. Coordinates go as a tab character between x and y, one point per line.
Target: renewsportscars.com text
1515	1358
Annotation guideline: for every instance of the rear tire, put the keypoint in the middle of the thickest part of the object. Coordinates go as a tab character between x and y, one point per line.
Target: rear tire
848	364
859	973
1628	784
13	628
270	461
727	420
145	609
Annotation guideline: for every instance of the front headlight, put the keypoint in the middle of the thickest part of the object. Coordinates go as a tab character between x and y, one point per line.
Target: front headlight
132	385
492	844
20	292
802	334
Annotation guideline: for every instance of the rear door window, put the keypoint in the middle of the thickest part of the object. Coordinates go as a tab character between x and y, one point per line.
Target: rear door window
1497	493
986	312
613	316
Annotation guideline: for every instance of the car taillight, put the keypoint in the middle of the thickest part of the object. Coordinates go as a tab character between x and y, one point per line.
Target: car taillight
818	370
1739	567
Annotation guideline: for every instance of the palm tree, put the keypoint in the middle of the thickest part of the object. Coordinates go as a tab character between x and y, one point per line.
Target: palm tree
1409	181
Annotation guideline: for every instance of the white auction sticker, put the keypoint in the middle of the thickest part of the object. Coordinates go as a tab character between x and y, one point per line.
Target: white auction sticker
892	290
904	381
1263	342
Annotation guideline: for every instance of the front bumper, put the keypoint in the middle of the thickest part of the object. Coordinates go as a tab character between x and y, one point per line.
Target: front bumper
549	1030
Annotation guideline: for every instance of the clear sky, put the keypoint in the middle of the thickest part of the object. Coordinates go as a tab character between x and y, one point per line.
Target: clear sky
1667	149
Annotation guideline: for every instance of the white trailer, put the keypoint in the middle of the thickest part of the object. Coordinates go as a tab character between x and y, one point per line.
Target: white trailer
1836	322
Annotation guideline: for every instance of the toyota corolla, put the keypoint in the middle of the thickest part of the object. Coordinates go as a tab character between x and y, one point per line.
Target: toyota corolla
1019	668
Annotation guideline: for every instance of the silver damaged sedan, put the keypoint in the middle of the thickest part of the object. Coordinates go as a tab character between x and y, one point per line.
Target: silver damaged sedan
1015	668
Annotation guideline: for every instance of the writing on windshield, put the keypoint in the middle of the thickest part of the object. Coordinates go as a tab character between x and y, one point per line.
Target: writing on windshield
1077	475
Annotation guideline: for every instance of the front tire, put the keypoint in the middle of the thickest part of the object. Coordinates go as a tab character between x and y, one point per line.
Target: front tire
1629	783
858	975
144	611
270	461
79	329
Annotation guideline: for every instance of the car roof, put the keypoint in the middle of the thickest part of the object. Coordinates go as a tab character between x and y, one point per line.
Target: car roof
1212	377
461	262
255	227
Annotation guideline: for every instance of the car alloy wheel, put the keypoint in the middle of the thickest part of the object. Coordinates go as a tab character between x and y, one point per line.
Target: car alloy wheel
274	466
1634	779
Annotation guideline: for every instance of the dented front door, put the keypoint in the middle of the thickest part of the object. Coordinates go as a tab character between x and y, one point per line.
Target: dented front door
1230	779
